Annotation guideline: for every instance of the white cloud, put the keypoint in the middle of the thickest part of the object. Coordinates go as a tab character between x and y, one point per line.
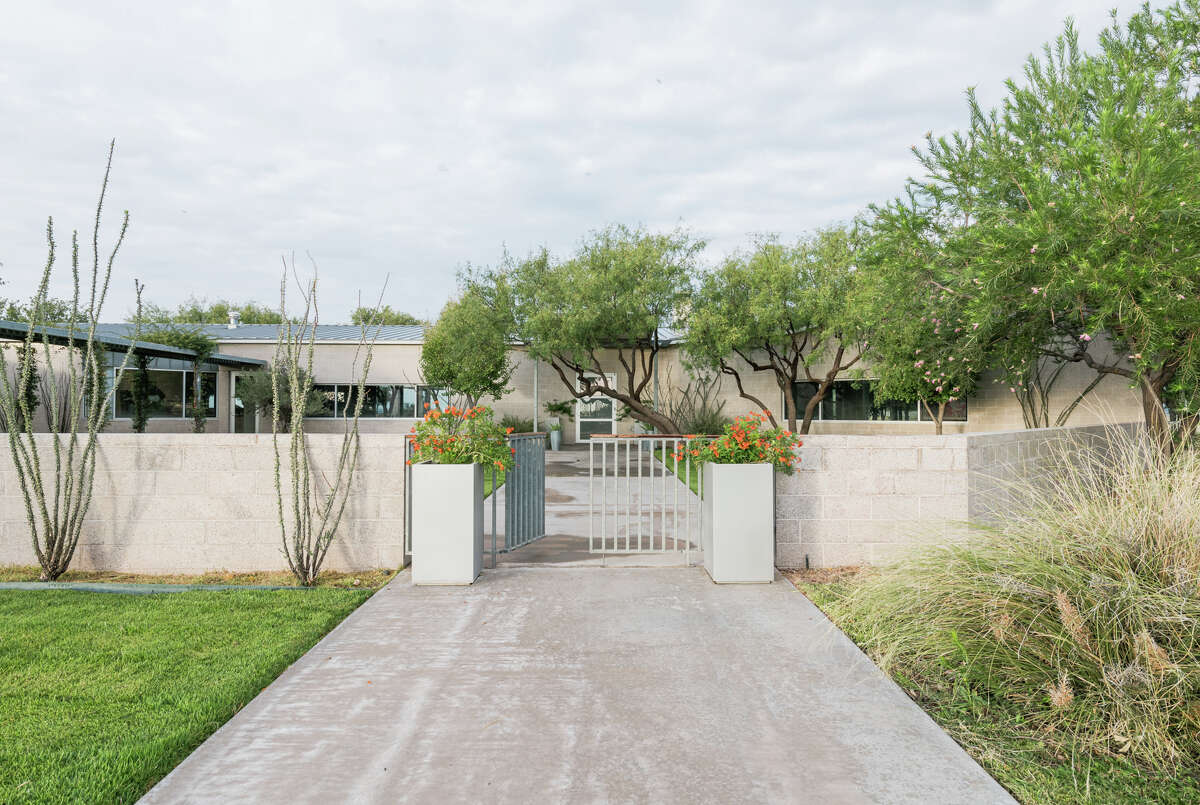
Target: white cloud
413	139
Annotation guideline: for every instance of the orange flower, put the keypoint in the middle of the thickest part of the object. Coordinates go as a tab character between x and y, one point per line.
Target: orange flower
508	430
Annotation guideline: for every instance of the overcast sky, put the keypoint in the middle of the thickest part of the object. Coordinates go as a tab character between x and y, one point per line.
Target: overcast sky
410	139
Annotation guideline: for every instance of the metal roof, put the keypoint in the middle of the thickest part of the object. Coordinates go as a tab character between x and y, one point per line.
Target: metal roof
115	340
404	333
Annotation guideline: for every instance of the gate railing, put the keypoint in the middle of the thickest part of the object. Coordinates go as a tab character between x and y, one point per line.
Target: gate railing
639	497
524	494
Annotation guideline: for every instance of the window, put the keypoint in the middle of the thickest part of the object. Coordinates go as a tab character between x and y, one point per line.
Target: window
854	401
380	400
170	394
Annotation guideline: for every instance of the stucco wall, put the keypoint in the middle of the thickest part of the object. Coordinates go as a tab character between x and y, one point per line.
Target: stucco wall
863	499
188	503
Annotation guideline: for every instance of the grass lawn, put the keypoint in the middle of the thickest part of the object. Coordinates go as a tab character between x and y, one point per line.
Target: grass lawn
102	695
667	459
991	730
363	579
487	481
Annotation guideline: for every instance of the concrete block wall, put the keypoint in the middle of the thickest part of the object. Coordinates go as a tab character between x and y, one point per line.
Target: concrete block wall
189	503
865	499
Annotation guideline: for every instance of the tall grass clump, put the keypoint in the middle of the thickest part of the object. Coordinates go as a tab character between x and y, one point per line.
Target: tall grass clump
1080	608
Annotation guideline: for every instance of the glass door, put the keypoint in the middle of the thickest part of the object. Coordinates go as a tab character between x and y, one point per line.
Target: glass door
595	414
244	419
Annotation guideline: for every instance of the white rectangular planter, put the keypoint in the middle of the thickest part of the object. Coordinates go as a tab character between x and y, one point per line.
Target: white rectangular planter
738	533
447	523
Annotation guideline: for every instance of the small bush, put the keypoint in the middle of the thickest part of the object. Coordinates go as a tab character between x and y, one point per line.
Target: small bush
518	424
1083	610
696	408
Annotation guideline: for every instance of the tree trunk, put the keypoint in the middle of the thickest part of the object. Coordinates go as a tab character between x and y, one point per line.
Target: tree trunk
1158	427
810	410
789	404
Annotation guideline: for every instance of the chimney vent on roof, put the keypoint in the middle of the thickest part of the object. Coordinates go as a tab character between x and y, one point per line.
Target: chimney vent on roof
234	318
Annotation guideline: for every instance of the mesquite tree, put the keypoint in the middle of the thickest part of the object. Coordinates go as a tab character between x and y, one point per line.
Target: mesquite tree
612	302
786	310
55	472
311	509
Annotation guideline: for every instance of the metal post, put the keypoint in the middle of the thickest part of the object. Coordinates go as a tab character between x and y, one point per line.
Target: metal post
591	496
495	494
535	395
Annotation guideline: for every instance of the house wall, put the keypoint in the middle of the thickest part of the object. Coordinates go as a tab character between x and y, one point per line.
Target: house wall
189	503
863	499
992	408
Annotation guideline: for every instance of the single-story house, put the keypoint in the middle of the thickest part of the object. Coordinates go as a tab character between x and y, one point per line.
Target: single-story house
396	393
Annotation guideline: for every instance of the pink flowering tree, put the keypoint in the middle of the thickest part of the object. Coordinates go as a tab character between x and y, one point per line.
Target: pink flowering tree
926	350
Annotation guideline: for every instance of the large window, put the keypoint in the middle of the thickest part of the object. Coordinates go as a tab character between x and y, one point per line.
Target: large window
170	394
380	401
854	401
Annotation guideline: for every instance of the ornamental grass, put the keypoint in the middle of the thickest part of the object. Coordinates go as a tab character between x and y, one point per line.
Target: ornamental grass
1081	609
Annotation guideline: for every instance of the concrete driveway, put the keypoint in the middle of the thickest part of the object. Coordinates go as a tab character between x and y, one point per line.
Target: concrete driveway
582	684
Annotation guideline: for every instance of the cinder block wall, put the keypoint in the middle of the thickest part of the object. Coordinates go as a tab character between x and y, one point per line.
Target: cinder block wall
864	499
189	503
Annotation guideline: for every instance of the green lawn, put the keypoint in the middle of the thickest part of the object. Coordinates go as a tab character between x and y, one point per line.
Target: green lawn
102	695
667	458
487	480
991	730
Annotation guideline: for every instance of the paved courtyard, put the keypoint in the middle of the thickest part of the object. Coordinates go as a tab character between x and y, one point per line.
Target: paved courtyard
582	684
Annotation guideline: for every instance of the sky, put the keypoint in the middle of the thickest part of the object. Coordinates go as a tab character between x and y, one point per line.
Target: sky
400	142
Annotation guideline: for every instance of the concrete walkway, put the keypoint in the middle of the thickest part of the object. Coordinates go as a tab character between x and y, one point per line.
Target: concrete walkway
582	684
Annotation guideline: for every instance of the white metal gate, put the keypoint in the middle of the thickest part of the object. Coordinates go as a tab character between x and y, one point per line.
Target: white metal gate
640	496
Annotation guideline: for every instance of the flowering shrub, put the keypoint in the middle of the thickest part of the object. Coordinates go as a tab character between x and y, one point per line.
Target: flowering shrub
462	436
748	441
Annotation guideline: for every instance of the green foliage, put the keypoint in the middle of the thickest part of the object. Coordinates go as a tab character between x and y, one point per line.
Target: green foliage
49	310
747	441
466	351
563	408
102	695
141	393
1078	212
383	315
56	489
924	349
196	340
202	311
462	436
1078	609
256	390
516	424
787	310
696	407
612	299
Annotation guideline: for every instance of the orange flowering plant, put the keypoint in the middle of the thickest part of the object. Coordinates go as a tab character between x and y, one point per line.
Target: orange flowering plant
747	440
462	436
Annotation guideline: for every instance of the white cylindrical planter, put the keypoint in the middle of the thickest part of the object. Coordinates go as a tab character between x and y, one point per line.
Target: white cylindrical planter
447	523
738	532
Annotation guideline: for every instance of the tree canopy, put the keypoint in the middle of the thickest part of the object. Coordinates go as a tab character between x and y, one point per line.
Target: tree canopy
202	311
466	350
783	309
618	294
383	315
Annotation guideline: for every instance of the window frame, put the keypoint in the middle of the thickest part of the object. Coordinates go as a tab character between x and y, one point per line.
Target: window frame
922	416
185	391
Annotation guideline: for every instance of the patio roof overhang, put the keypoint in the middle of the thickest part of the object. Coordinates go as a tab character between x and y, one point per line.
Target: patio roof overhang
61	336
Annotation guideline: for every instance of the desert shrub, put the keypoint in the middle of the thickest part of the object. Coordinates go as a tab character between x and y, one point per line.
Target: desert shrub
1082	609
696	406
516	424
